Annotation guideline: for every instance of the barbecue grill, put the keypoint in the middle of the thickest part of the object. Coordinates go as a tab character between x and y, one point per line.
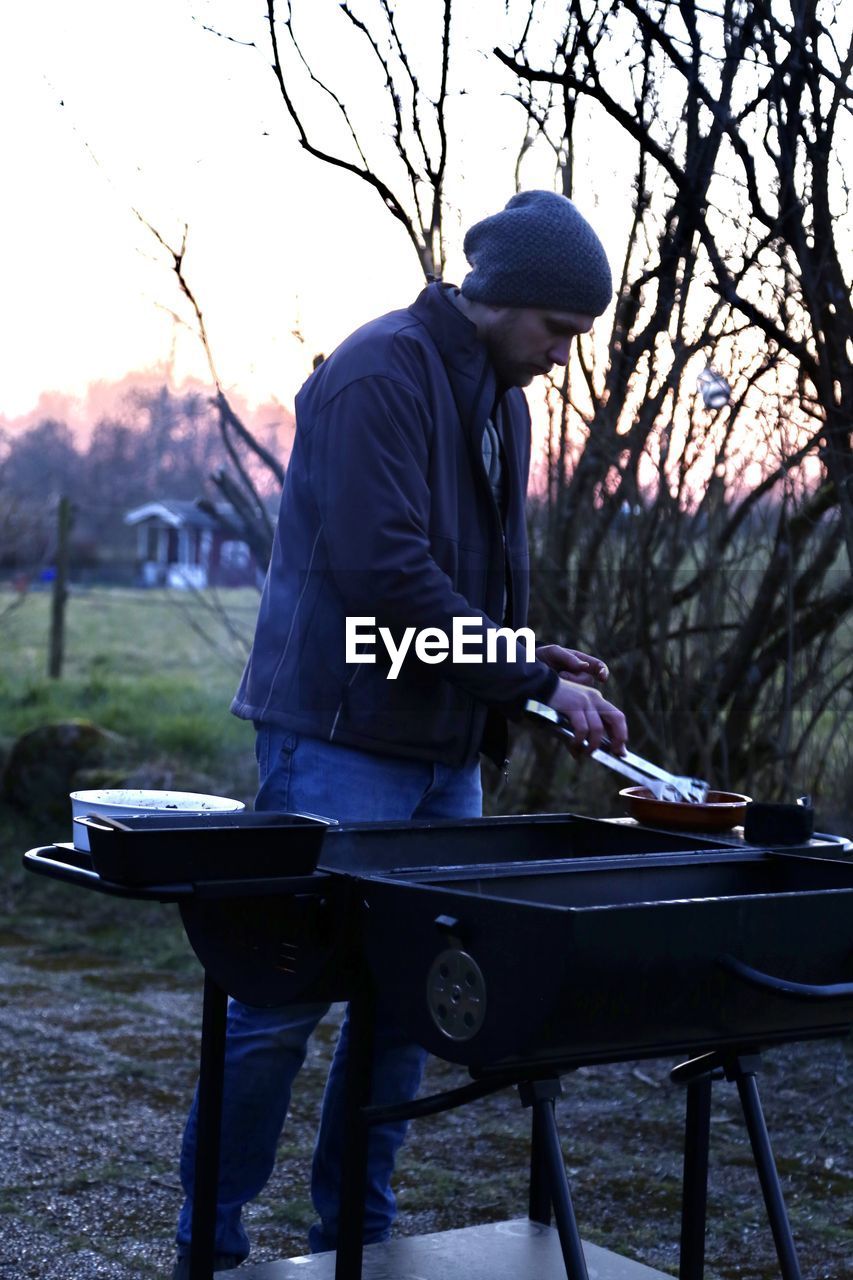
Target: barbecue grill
520	947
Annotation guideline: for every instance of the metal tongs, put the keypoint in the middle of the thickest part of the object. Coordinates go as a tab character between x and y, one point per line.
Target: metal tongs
662	784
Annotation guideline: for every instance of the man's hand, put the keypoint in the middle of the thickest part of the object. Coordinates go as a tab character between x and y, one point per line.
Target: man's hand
571	664
590	717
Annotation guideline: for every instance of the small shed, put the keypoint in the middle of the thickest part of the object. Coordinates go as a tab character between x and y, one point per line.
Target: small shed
191	545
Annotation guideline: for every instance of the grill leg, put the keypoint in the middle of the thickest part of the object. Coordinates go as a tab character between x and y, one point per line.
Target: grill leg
697	1074
539	1204
743	1071
540	1095
359	1085
694	1202
210	1079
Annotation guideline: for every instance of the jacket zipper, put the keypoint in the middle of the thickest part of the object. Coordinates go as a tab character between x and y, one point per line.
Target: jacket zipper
497	518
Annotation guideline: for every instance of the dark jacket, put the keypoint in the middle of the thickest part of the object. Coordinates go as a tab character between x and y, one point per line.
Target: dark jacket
387	513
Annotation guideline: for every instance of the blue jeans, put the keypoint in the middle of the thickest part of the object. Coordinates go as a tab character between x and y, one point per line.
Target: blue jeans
266	1047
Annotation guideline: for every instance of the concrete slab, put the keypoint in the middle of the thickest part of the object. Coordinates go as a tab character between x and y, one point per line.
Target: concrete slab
516	1250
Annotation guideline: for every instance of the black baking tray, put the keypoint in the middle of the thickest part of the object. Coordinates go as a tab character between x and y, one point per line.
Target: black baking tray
163	849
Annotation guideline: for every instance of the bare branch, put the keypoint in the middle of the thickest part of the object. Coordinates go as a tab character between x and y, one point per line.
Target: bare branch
392	204
423	173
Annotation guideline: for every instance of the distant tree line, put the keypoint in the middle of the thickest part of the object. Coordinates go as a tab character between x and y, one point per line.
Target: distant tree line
159	444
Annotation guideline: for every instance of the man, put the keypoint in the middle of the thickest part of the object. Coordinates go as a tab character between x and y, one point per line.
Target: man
403	510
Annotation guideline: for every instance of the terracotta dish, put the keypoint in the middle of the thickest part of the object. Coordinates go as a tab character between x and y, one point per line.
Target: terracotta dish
720	812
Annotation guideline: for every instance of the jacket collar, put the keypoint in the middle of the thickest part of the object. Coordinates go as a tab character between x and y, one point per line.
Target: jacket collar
462	353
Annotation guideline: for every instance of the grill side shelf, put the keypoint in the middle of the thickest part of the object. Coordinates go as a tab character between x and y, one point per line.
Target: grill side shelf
64	862
74	866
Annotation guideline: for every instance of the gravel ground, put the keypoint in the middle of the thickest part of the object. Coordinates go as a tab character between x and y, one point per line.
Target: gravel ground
99	1018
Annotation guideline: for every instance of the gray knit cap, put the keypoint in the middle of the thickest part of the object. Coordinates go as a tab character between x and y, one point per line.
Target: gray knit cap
538	252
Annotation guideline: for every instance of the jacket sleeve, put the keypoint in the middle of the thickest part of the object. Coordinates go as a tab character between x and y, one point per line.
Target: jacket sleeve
369	460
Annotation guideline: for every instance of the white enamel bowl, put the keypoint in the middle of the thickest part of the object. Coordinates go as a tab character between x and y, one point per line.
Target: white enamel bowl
130	804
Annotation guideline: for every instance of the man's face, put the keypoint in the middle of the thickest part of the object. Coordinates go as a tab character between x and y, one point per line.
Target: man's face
525	341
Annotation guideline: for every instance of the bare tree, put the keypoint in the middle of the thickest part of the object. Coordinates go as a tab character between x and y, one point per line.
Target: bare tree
240	486
701	546
413	192
755	205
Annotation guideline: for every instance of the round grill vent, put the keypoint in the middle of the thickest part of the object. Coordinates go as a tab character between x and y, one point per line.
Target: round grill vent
456	994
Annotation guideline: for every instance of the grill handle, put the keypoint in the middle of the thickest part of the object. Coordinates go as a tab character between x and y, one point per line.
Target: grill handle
783	986
48	863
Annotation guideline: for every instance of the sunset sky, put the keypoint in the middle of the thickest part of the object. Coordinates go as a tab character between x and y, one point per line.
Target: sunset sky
109	107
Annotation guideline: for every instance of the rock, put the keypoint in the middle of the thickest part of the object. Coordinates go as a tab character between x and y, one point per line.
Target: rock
168	775
45	764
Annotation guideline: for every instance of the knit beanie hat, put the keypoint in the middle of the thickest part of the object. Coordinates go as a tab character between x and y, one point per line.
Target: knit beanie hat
538	252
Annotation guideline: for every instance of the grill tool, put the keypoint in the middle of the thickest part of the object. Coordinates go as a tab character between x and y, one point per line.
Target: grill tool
662	784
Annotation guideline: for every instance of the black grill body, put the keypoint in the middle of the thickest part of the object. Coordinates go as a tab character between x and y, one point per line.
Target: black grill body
519	947
605	958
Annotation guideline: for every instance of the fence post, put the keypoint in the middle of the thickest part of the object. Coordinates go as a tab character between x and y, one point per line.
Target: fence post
64	520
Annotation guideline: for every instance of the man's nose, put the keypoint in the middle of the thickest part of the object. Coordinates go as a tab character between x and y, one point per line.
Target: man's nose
558	351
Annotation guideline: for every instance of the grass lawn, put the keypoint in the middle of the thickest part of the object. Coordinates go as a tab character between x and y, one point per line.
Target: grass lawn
157	667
